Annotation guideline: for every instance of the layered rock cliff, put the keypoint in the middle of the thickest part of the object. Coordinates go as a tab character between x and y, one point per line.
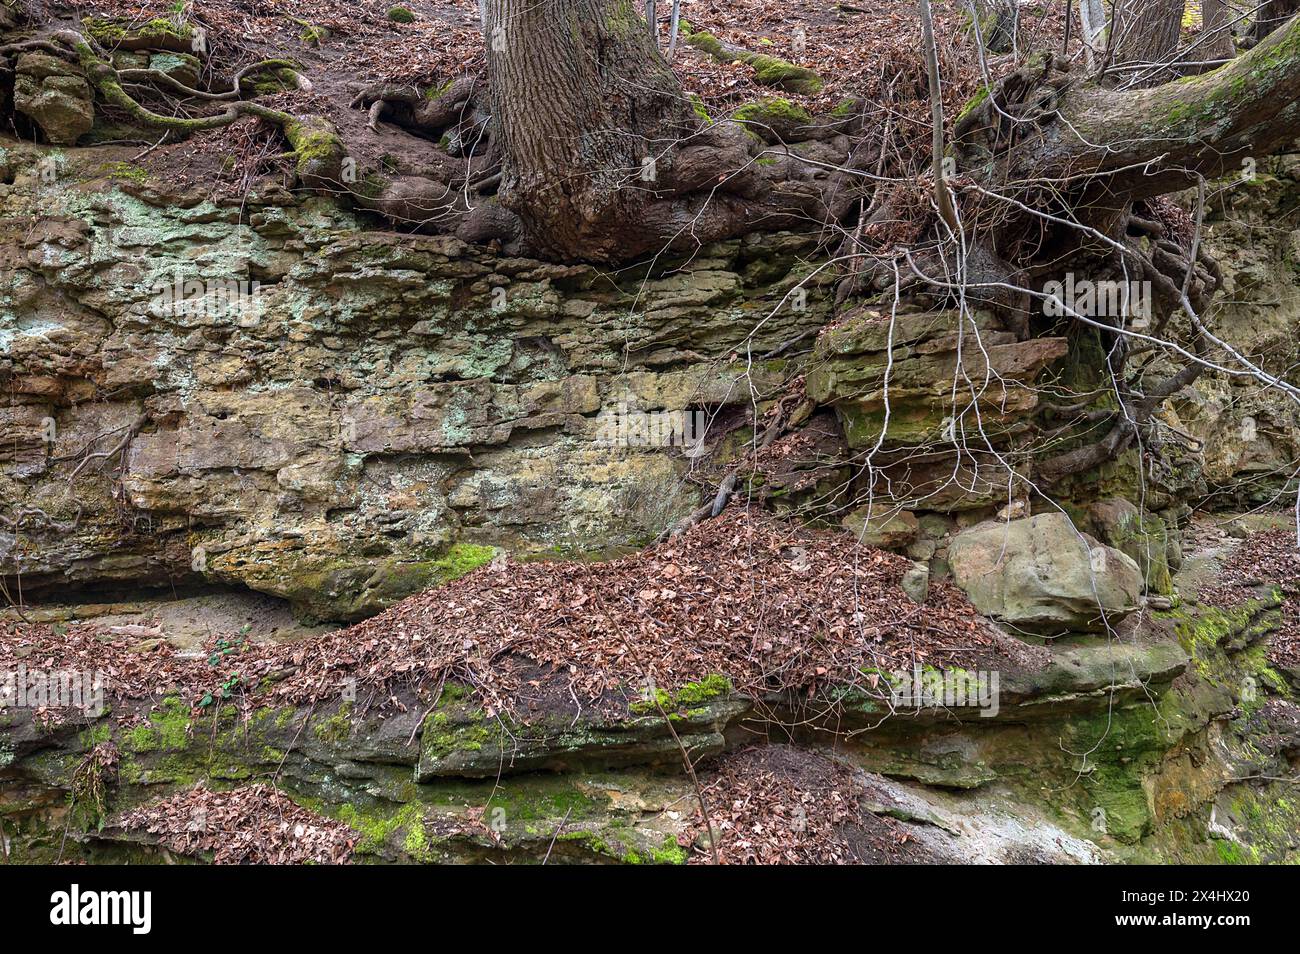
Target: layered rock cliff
274	395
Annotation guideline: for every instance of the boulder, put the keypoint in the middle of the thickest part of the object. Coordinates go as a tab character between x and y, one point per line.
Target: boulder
881	525
916	582
54	96
1145	537
1042	575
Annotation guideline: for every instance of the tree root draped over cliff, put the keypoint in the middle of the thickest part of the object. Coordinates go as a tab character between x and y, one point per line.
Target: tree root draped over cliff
1049	168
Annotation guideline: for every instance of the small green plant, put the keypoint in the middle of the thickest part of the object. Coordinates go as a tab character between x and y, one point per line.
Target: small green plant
226	647
224	691
400	15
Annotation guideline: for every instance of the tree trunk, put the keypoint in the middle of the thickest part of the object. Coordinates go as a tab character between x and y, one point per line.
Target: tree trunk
999	22
1216	32
1144	33
1271	15
1092	29
1143	142
585	110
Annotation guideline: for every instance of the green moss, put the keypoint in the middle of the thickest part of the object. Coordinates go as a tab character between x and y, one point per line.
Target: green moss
376	827
772	71
768	70
312	34
1197	102
974	103
167	729
400	15
1204	631
697	106
771	112
697	693
708	43
112	33
337	728
524	801
447	733
435	92
313	142
694	696
124	172
462	558
371	186
416	843
1229	852
669	852
623	20
271	81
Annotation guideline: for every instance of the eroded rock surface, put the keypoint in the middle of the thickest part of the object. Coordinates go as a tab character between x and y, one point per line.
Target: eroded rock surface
347	416
55	96
1041	574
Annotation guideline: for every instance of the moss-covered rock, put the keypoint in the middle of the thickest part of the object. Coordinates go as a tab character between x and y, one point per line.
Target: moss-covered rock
159	33
460	740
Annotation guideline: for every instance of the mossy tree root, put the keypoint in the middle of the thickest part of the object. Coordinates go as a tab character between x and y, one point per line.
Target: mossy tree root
768	70
236	90
317	148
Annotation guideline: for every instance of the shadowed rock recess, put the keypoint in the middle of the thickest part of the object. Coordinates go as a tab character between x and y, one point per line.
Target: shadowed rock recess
407	542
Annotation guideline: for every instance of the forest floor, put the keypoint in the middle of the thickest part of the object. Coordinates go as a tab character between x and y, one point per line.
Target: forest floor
766	605
870	52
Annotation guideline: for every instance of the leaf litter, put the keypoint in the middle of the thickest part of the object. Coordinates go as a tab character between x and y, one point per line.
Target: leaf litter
255	824
772	607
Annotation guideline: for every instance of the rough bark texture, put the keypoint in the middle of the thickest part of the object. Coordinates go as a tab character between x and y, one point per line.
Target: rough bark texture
1272	14
1150	142
1092	27
585	108
1145	32
999	23
1215	42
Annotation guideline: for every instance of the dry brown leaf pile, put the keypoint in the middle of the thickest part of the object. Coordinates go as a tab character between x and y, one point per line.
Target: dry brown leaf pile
255	825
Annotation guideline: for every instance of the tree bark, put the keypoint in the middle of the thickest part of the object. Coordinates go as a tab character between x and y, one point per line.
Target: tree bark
1216	32
1144	33
1271	15
1092	29
999	22
586	111
1147	142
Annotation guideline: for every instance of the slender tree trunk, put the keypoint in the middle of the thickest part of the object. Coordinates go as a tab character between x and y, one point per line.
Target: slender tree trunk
1092	27
586	111
942	195
1145	33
